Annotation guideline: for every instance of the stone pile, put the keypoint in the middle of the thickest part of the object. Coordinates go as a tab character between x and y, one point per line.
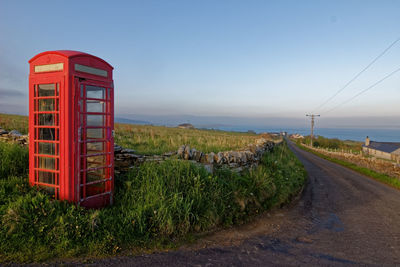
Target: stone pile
13	137
125	158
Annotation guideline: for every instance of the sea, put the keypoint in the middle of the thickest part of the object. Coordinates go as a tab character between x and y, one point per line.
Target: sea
355	134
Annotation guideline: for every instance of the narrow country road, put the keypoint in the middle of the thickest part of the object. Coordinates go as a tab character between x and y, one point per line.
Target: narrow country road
342	218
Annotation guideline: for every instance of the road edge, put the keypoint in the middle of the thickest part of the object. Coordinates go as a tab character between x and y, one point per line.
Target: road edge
379	177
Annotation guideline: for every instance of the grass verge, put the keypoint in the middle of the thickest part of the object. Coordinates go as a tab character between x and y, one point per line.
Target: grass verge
391	181
156	206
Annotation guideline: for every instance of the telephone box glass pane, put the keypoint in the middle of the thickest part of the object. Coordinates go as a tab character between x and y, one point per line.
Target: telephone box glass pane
46	177
95	133
47	163
96	175
46	89
94	148
46	105
95	92
47	134
47	148
46	119
95	161
95	106
95	120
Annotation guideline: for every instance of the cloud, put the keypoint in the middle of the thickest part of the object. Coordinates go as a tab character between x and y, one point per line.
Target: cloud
14	108
10	93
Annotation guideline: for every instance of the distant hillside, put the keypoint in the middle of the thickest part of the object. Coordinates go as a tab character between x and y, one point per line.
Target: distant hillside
130	121
186	126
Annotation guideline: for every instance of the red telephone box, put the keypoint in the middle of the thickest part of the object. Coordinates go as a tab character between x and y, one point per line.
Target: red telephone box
71	127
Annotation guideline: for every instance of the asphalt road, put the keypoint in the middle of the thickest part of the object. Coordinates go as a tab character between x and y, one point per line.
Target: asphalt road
342	218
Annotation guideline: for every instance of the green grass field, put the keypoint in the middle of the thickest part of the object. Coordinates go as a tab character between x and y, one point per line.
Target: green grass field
150	140
158	139
158	205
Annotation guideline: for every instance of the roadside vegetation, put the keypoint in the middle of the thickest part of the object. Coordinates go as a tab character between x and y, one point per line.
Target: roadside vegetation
13	160
156	206
392	181
332	143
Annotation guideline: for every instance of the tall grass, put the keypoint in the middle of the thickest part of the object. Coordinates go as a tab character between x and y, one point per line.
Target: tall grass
156	205
13	160
14	122
159	139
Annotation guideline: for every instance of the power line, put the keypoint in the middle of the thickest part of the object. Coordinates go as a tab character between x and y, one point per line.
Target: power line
365	90
358	74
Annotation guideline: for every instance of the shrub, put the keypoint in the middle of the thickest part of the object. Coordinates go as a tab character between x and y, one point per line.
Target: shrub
333	143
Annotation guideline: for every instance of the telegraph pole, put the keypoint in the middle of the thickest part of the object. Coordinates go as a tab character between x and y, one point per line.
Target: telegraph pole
312	126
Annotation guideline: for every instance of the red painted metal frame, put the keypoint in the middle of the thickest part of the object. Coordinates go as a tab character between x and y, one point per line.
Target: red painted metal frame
67	158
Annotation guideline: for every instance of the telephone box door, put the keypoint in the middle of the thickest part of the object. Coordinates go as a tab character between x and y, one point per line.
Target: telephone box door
95	142
44	128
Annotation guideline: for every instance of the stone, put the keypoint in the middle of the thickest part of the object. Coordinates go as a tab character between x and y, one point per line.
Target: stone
218	158
260	141
236	157
181	151
128	151
252	148
243	157
192	152
133	156
203	158
197	156
187	153
117	148
227	157
15	133
231	155
210	157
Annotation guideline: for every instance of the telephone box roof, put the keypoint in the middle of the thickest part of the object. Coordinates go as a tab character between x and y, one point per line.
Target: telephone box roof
69	54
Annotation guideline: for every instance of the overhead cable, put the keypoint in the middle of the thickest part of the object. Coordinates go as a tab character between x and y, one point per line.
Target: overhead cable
363	91
358	74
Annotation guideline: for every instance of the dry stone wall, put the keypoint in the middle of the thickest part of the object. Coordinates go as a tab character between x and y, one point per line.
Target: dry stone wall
125	158
13	137
379	165
246	158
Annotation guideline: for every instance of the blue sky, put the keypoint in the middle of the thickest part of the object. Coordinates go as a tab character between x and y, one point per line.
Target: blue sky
242	59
